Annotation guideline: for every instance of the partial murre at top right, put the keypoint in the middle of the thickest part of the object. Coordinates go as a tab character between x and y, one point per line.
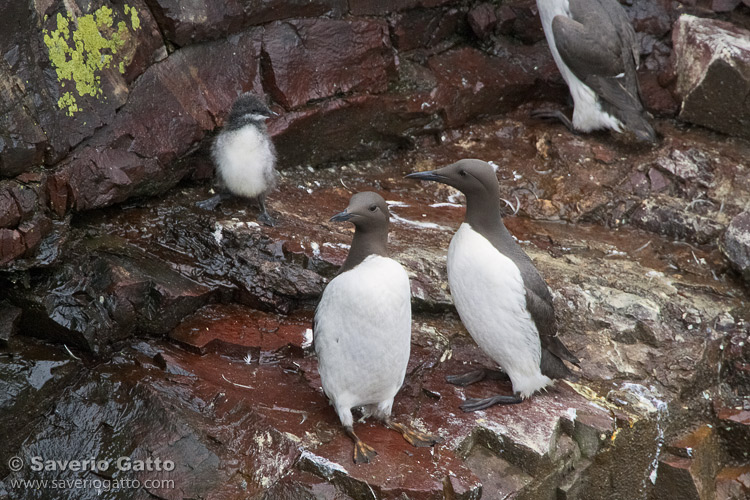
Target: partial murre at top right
596	50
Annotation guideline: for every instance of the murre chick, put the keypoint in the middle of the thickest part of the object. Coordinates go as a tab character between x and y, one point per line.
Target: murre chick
362	327
596	50
244	156
500	296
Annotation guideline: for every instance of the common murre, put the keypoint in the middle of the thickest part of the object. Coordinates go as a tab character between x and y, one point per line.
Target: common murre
500	296
596	50
362	327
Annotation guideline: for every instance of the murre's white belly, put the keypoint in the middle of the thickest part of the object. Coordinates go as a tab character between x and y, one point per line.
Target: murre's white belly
245	161
587	112
363	334
490	297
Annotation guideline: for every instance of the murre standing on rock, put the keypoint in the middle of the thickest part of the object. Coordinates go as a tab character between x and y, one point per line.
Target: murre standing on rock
596	50
244	156
362	328
500	296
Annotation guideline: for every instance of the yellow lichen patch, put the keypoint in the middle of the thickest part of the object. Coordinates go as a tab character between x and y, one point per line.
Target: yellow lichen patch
135	22
79	49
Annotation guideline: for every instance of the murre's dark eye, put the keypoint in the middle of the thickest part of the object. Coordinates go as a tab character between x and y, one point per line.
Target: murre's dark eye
462	173
373	208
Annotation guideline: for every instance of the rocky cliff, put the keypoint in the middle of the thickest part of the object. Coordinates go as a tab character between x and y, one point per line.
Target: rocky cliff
134	324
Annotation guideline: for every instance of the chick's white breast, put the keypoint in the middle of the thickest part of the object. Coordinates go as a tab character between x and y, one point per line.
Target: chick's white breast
245	161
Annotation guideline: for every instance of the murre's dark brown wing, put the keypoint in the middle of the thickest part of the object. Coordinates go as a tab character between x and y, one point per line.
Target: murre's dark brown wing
600	47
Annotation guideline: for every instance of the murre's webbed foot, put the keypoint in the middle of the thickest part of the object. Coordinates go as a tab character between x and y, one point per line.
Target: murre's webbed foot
363	453
266	219
475	376
481	404
263	216
556	114
414	437
211	203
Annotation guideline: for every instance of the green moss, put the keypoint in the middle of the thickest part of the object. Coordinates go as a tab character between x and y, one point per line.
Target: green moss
80	49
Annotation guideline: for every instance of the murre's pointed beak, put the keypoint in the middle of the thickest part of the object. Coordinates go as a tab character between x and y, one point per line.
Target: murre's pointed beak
429	175
341	217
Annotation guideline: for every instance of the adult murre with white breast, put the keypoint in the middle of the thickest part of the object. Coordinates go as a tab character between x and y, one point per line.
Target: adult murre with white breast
362	327
597	52
500	296
244	156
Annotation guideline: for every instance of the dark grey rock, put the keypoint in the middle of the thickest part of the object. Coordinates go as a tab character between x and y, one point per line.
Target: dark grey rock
712	63
735	244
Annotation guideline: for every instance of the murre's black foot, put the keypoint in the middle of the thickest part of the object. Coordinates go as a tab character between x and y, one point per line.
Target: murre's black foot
413	437
263	216
363	453
556	114
266	219
211	203
475	376
481	404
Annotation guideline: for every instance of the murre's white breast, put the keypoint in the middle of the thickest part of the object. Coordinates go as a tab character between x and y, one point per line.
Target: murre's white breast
363	333
490	297
587	112
245	161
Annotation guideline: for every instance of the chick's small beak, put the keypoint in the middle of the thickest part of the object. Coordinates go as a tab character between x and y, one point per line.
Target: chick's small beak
341	217
430	175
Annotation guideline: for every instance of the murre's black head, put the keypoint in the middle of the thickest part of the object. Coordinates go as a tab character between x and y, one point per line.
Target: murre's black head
369	213
247	108
477	181
474	178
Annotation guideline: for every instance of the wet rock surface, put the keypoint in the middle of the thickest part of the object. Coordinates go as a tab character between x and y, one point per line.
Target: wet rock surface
143	327
104	102
204	355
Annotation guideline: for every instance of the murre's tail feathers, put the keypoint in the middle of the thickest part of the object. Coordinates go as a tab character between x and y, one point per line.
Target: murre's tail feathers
554	368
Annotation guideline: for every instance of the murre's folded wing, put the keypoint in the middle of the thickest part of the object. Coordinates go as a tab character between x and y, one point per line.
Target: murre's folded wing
599	46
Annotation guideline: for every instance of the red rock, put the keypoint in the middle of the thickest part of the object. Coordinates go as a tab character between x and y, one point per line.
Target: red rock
417	28
184	24
313	59
657	98
733	483
520	19
472	83
11	245
506	17
58	192
10	216
34	231
658	181
482	20
724	5
380	7
22	141
352	128
654	18
236	330
638	184
712	63
735	244
675	480
97	178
